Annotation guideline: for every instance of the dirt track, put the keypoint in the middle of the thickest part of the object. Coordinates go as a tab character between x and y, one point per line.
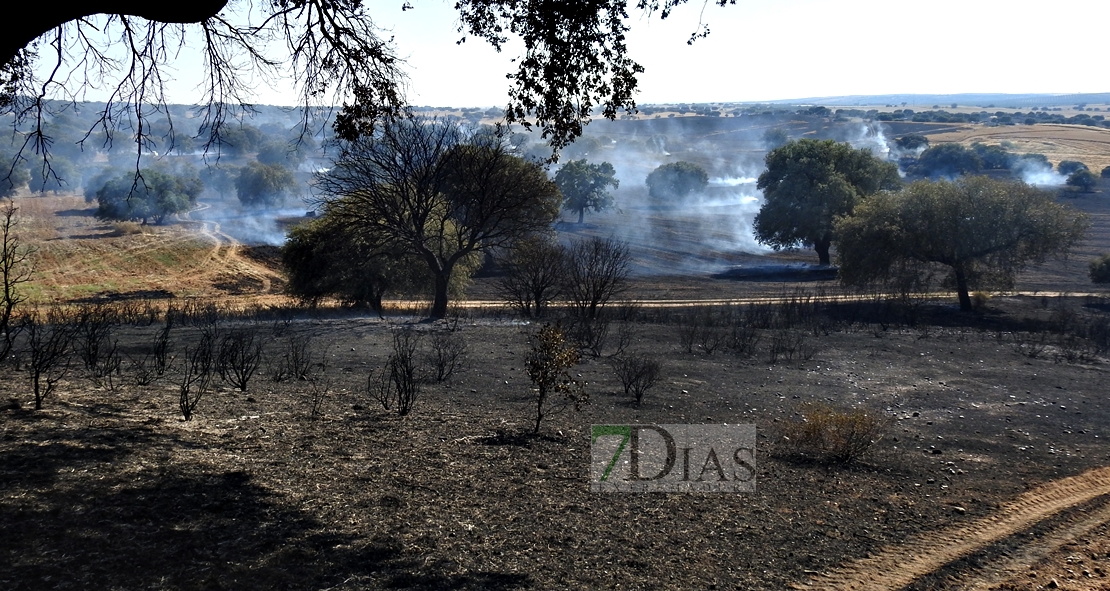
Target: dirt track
898	566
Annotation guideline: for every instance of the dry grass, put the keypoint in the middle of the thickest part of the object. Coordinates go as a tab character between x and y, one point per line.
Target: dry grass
831	434
1089	145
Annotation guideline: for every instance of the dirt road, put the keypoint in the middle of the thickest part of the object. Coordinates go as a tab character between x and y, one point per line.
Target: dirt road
898	566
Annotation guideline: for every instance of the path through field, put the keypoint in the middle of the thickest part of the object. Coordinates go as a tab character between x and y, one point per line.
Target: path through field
898	566
225	259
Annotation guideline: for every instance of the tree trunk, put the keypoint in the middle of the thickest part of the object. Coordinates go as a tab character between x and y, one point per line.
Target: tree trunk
540	399
439	304
822	248
581	215
961	288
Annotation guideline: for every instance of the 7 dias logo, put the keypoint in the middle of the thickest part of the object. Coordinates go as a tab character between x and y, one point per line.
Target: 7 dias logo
672	458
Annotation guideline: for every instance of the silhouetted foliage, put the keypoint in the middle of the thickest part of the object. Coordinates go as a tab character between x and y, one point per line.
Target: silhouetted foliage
440	195
584	186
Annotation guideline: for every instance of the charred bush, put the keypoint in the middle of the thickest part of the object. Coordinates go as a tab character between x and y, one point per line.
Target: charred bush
240	355
637	373
700	330
534	269
788	345
196	374
743	337
399	384
596	272
294	360
48	347
94	335
446	353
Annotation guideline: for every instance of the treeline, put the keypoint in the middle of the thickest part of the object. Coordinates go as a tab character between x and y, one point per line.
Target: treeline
998	117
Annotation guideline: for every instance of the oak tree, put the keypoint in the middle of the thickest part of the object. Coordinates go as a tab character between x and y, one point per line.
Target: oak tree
584	186
808	184
441	195
984	231
676	180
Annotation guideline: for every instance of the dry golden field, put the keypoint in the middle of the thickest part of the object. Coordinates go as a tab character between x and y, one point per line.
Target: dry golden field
1089	145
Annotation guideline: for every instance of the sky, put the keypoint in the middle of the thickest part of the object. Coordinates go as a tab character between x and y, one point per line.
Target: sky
776	49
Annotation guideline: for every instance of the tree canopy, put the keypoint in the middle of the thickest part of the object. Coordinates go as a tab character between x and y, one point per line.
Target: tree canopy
264	185
148	195
982	230
947	160
584	185
676	180
1082	180
1066	167
324	258
808	183
438	194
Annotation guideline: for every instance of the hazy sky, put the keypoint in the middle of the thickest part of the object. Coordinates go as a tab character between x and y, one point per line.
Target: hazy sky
781	49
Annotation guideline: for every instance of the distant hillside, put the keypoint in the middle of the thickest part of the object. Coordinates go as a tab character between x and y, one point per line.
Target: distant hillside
970	99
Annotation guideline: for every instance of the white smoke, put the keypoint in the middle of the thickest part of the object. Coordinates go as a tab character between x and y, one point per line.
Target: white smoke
1038	174
732	182
250	226
871	136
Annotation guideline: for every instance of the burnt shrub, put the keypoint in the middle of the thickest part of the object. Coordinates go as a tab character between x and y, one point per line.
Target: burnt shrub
446	353
240	355
637	373
399	382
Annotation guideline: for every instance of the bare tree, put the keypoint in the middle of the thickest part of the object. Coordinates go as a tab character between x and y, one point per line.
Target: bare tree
48	351
534	270
16	268
597	271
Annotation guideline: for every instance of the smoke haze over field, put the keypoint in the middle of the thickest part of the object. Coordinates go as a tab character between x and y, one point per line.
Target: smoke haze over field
1038	174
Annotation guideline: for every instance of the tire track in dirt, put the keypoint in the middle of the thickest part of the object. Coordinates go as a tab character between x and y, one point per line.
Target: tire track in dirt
897	566
224	256
1010	567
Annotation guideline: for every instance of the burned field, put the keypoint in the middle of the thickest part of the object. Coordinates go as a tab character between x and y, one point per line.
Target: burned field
311	483
987	471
